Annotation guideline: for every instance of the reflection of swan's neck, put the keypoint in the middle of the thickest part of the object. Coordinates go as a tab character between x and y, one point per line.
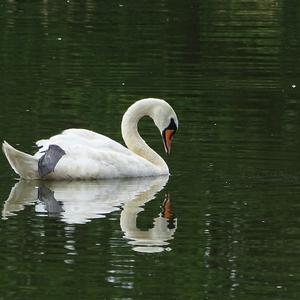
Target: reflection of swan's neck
132	137
156	236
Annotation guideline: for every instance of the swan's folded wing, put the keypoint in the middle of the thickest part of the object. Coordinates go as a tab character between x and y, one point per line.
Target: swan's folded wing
73	137
82	161
92	155
85	134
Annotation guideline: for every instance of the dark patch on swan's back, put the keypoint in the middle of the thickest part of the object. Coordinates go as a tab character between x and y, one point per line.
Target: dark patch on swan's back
49	160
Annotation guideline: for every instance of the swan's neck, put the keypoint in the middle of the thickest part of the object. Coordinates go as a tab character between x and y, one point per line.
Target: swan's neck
132	138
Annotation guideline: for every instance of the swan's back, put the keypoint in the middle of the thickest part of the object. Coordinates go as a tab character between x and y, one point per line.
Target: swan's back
92	155
73	137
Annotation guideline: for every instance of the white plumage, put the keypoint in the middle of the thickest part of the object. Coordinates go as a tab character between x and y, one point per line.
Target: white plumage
91	155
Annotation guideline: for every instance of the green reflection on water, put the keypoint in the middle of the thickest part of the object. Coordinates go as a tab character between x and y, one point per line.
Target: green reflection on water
231	71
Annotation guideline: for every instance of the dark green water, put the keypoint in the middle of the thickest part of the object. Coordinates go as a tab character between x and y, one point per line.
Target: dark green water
231	71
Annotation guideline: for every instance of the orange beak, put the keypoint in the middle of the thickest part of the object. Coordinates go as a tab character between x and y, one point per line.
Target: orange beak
167	138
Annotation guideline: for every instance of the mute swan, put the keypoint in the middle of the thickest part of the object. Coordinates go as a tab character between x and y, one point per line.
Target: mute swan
84	154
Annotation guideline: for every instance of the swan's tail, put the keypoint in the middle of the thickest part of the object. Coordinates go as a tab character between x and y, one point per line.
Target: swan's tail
22	163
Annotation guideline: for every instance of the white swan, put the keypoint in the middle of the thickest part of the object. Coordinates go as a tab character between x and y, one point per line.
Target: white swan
84	154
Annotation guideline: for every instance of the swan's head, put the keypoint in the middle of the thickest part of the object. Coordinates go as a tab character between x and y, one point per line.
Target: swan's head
162	114
166	120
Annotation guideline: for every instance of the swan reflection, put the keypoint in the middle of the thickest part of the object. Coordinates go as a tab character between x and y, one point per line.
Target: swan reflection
151	240
78	202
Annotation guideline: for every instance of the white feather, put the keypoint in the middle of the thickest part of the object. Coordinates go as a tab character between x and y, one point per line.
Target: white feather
92	155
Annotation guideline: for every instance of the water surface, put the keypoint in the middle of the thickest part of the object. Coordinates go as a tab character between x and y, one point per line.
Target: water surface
225	224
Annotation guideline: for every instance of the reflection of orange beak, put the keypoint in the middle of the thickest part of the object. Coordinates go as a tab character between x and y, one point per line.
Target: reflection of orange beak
167	138
167	211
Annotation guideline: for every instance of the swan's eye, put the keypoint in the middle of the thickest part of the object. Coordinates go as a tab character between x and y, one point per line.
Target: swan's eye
167	135
172	125
171	129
